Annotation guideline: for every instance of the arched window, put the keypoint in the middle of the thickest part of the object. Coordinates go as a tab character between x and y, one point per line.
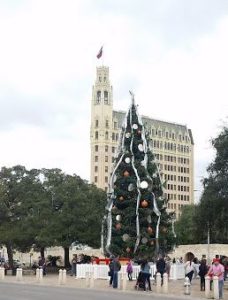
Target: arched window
96	135
98	100
105	97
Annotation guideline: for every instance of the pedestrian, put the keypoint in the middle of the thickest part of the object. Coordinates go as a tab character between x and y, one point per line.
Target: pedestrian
217	269
161	267
110	272
129	270
74	265
42	265
116	269
168	265
189	268
145	270
203	269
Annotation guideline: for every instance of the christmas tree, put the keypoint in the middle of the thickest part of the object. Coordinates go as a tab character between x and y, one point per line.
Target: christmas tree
136	223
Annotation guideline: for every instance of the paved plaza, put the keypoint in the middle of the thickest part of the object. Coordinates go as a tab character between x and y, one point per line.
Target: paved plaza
78	289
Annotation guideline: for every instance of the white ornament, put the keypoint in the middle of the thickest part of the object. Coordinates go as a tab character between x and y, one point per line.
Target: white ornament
135	126
127	160
140	147
144	240
125	237
127	135
144	185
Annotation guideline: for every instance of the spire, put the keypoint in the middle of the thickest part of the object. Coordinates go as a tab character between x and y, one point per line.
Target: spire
132	97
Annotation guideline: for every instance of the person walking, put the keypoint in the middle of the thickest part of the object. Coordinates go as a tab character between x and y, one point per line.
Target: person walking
189	269
203	269
161	267
145	270
116	269
42	265
129	270
110	272
74	265
217	269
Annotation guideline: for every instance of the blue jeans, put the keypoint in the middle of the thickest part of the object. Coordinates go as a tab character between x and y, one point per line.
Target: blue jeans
221	284
115	280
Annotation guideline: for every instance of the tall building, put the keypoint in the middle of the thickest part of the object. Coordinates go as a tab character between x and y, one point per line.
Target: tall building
172	145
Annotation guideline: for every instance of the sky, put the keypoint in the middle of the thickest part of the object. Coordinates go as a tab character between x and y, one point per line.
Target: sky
171	53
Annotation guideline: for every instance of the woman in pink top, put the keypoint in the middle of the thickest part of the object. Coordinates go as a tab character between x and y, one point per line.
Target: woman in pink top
217	269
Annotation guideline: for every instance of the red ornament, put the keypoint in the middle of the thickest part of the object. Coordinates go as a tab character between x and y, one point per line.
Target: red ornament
118	226
149	230
126	173
144	203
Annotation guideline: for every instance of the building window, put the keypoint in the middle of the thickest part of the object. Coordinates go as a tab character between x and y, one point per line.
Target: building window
106	169
106	124
106	179
113	136
96	169
98	100
106	158
113	149
106	135
117	136
105	97
113	159
96	135
104	79
115	125
96	123
96	158
96	148
106	148
95	179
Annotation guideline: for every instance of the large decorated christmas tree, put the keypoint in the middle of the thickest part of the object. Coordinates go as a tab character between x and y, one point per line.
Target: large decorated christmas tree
136	223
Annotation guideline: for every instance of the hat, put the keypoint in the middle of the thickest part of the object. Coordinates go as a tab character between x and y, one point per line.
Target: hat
216	260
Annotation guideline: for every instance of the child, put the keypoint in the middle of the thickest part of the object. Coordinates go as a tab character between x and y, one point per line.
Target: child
129	270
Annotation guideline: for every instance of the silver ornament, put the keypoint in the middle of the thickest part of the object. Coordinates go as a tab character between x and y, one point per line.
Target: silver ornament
135	126
127	135
125	237
130	187
144	240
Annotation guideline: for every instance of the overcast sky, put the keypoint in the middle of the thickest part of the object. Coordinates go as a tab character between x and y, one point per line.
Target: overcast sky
171	53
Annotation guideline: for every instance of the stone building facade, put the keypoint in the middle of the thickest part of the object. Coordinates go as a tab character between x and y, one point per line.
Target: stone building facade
171	143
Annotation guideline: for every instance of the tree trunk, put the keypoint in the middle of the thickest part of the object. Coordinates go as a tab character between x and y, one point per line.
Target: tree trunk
10	254
67	257
42	252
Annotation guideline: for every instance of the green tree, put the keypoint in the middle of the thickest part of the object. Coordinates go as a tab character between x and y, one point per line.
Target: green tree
185	227
212	212
137	221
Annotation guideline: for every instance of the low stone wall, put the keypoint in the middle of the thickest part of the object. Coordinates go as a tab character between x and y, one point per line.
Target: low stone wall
200	249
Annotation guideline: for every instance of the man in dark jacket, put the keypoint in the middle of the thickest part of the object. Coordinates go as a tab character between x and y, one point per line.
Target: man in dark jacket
116	268
161	266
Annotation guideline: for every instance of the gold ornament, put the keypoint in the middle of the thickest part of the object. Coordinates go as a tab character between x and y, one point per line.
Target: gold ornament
149	230
118	226
144	203
126	173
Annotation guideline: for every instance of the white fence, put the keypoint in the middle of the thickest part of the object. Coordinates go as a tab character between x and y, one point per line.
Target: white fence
101	271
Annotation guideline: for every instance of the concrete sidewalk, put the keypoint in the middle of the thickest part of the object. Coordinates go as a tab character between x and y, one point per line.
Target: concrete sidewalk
176	287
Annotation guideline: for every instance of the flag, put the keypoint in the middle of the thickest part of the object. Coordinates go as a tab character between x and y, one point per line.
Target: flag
99	54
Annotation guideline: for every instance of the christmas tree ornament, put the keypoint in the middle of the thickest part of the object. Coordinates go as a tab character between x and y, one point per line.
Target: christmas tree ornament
135	126
126	173
121	198
144	184
149	230
118	226
131	187
140	147
127	160
144	240
139	132
128	249
152	243
118	218
128	135
144	203
125	237
149	219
